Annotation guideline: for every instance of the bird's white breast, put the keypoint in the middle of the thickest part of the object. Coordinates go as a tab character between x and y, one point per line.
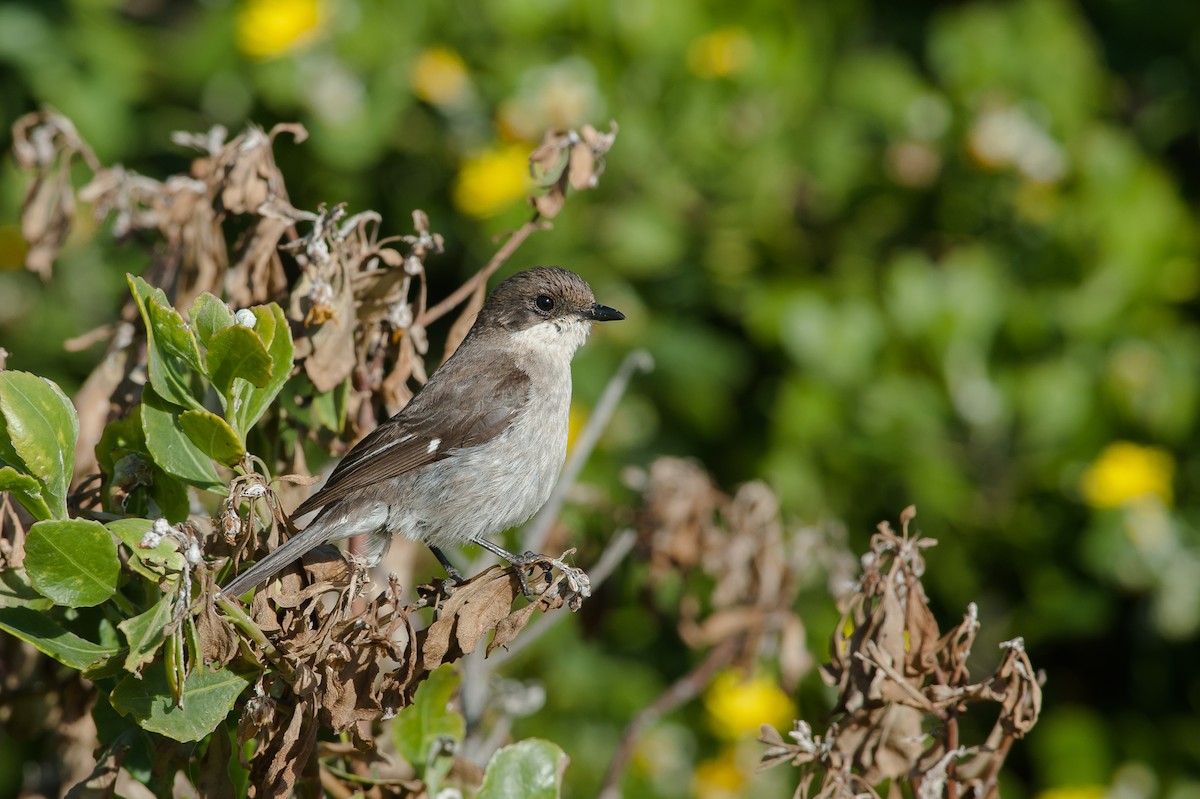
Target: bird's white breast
478	491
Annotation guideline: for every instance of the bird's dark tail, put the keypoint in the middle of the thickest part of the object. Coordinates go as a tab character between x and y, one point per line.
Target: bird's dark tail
292	549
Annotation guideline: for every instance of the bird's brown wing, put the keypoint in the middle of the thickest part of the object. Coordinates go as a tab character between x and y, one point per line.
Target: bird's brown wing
445	415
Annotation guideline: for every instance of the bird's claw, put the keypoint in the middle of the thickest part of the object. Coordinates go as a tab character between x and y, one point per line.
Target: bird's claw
577	585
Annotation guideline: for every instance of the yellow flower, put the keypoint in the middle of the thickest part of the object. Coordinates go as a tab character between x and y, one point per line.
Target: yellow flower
739	705
439	76
1125	472
491	181
721	53
268	28
718	778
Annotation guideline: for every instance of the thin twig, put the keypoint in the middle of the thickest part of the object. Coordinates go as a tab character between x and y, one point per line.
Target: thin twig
462	292
873	657
238	618
684	689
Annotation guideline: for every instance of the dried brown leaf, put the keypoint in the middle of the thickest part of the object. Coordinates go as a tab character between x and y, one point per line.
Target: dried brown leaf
474	609
326	307
287	751
549	204
549	159
582	169
46	219
508	627
248	178
256	276
897	676
218	640
102	782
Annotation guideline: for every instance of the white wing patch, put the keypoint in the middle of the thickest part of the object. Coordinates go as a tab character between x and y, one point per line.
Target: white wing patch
390	444
433	445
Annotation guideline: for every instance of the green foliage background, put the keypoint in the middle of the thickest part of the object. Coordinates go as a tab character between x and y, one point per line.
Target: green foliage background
883	253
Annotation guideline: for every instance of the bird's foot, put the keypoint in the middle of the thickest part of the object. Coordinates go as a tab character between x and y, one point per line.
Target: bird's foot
573	584
577	586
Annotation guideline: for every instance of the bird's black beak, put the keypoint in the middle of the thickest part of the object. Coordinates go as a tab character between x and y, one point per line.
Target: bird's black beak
602	313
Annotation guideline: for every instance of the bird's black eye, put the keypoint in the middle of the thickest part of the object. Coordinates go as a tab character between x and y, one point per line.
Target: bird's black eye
544	302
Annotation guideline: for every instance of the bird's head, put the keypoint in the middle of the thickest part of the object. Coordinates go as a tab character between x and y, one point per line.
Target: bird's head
547	306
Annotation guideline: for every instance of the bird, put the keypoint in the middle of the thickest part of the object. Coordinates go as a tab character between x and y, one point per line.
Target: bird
476	451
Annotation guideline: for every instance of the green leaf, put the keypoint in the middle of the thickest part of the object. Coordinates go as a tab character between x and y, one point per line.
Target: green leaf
40	428
419	727
529	769
250	402
146	633
50	638
26	490
173	451
213	436
208	697
133	479
267	323
209	316
172	355
158	560
237	352
329	407
17	592
170	495
74	562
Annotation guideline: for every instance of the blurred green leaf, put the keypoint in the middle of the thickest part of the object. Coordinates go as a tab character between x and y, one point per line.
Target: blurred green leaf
145	633
171	448
529	769
40	429
213	436
420	728
1072	748
208	697
73	561
174	358
209	315
329	407
50	638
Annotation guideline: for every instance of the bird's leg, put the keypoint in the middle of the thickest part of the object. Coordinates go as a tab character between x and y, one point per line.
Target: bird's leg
451	572
520	561
454	577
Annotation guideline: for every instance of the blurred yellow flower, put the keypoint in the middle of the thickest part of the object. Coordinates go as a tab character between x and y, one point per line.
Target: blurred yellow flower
13	248
575	424
718	777
267	28
722	53
1124	472
739	705
439	76
1074	792
493	180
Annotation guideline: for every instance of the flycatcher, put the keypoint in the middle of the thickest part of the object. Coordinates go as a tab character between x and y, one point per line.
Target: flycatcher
477	450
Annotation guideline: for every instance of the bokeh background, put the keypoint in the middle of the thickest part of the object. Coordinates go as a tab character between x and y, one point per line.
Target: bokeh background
882	252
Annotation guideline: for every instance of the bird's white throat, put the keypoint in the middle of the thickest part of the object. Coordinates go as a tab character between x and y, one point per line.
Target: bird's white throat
554	338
